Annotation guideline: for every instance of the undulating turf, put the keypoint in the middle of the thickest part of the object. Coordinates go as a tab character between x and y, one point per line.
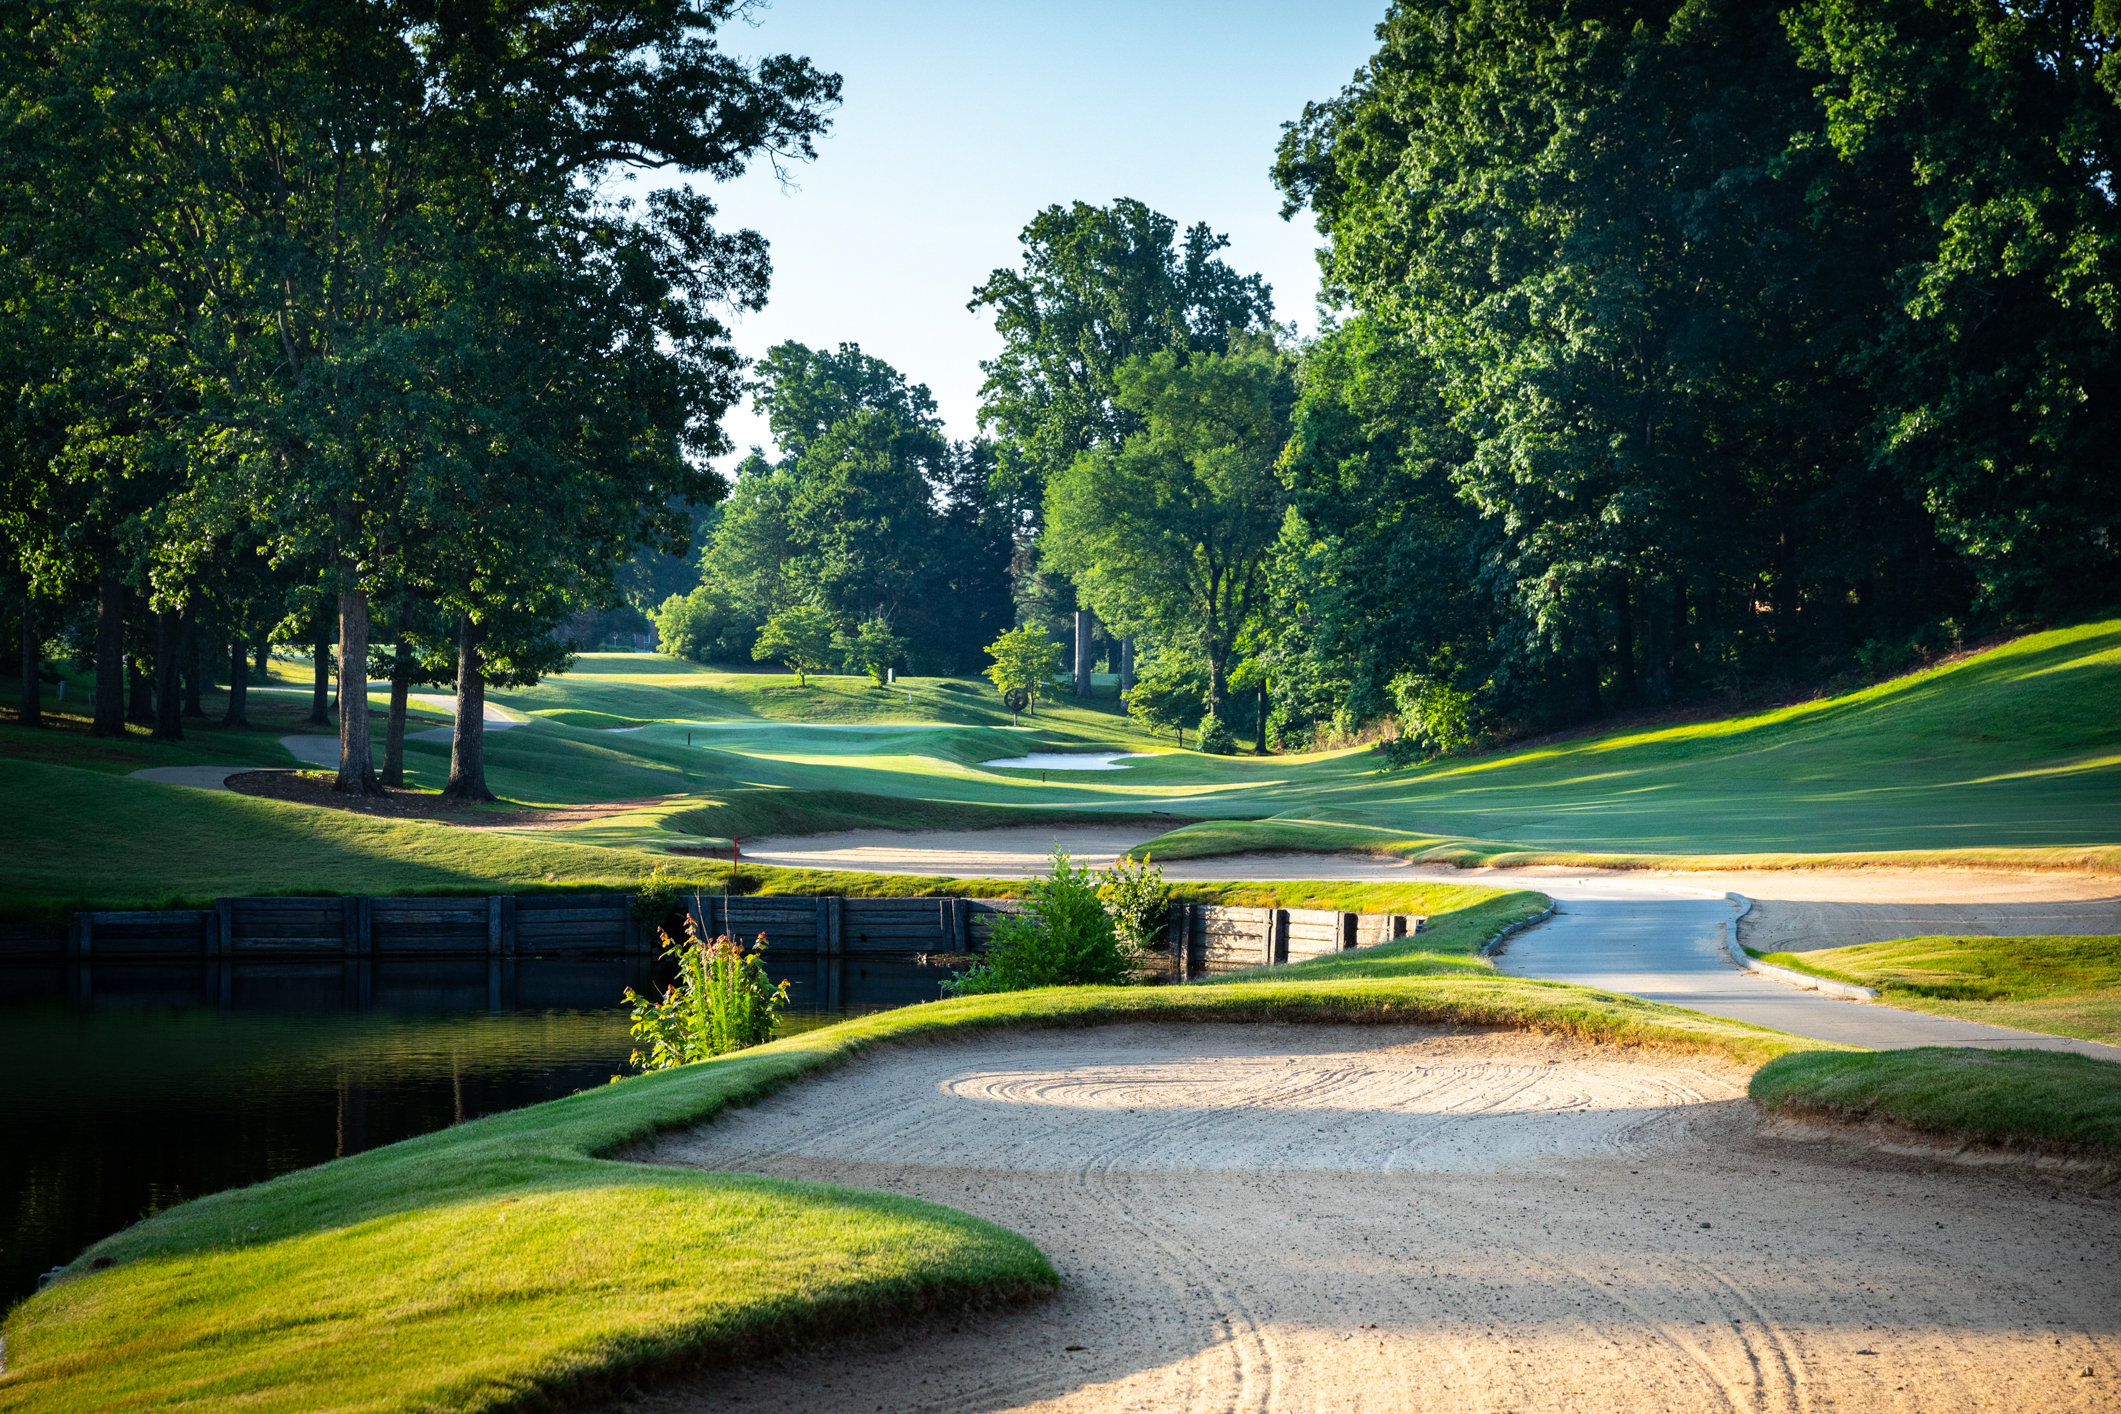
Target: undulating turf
2010	757
502	1262
2066	986
2054	1100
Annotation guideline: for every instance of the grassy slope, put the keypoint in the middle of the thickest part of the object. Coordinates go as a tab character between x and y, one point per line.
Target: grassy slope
2050	1100
500	1261
2067	986
1955	787
2014	748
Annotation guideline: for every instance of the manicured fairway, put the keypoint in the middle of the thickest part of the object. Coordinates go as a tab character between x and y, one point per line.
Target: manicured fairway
2012	757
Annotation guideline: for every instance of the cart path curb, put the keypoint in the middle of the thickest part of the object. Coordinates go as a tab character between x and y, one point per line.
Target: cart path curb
1846	991
1494	945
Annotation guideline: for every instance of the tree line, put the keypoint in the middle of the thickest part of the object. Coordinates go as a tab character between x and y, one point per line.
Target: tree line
335	325
1670	350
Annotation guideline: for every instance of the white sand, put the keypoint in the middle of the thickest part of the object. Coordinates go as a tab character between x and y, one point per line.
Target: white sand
1343	1218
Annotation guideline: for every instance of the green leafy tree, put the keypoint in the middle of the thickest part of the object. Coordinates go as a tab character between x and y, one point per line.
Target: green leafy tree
707	625
1099	286
1174	530
800	638
1063	937
872	648
1133	892
1024	661
1170	694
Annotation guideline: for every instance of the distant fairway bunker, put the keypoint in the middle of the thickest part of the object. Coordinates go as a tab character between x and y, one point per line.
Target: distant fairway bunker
1276	1216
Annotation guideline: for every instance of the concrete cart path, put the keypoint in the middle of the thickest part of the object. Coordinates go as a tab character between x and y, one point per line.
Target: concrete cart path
1667	943
197	777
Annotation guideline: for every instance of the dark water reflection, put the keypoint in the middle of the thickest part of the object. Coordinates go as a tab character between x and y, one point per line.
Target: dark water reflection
115	1112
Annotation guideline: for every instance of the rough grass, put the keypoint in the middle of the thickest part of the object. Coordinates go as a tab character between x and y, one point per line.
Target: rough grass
2046	1100
501	1263
2067	986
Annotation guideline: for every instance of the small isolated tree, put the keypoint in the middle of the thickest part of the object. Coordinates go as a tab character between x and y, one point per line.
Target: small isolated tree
1215	736
1024	659
1063	938
1134	893
1170	695
1436	717
872	648
800	637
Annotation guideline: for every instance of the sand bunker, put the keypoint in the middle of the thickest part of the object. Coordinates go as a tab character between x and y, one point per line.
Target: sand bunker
1257	1218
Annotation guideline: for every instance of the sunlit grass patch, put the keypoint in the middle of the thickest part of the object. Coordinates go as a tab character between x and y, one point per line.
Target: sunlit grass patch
2065	985
2053	1100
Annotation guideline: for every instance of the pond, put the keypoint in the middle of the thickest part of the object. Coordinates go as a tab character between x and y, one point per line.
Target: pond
112	1113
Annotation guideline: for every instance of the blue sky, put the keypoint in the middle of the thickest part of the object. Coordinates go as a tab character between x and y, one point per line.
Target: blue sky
961	120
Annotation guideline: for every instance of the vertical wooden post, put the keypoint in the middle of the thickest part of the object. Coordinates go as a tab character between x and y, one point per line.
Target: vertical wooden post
493	952
961	926
1266	938
226	981
836	977
819	959
80	941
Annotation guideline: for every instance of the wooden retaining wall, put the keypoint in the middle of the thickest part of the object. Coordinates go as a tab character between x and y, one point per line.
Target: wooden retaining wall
834	952
1207	939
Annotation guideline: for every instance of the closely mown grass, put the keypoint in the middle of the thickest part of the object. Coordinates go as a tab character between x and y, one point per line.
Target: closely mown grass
2066	986
812	812
500	1263
2049	1100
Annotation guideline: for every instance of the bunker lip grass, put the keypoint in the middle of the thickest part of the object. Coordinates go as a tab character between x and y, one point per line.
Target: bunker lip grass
2045	1102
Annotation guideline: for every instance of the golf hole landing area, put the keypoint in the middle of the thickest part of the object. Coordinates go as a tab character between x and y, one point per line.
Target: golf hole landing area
1253	1217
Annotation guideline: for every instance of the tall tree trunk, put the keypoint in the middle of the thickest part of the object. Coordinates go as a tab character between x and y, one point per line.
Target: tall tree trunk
1082	652
1218	684
139	693
1259	722
170	625
1126	664
238	684
394	732
264	654
357	765
109	716
191	653
467	744
320	686
1624	640
32	713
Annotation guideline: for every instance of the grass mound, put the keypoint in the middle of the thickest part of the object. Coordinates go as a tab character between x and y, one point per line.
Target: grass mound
501	1262
591	721
2069	986
816	812
2049	1100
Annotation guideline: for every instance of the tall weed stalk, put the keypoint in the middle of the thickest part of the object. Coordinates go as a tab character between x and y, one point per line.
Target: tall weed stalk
720	1002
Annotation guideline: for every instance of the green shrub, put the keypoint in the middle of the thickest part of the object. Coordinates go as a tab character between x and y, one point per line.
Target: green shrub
721	1002
1437	717
1215	736
1133	894
1063	938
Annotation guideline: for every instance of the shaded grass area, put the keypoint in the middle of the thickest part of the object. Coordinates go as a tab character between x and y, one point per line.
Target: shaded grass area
500	1263
2050	1100
2067	986
65	740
